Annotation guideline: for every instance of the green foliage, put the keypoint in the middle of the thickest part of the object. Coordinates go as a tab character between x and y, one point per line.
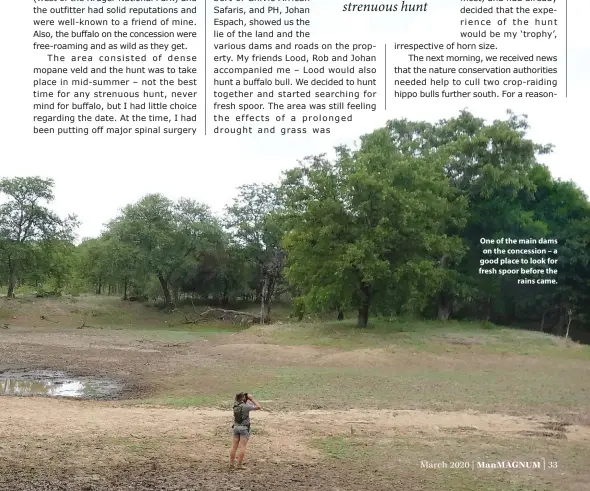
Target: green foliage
34	241
255	220
370	228
163	236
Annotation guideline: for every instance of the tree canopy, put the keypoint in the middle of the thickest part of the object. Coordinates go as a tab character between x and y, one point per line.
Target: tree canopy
370	227
29	229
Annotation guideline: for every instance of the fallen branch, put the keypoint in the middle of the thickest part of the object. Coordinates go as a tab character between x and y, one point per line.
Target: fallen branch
224	315
83	325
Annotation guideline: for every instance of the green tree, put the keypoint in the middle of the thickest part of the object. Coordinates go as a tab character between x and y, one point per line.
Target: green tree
128	270
565	211
369	229
113	264
255	221
92	260
165	236
491	166
218	273
51	262
27	222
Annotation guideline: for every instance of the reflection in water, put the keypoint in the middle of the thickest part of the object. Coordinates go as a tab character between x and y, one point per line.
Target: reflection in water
45	387
55	384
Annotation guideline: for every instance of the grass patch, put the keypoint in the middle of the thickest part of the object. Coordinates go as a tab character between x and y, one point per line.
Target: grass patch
407	459
190	333
426	389
435	337
343	448
295	388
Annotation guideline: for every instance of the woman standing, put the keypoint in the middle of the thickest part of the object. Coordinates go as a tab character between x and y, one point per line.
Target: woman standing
241	426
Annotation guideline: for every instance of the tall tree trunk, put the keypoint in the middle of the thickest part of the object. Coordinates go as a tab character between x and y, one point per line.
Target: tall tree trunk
340	315
569	321
365	302
558	330
512	310
265	299
11	279
269	293
543	321
262	306
444	306
225	295
11	285
268	287
125	289
99	289
363	317
165	290
489	310
445	299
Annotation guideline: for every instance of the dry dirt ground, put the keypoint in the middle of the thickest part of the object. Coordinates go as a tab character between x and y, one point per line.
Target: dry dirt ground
168	429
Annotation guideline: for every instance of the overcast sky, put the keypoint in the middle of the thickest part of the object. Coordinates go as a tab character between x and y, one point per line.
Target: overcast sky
96	176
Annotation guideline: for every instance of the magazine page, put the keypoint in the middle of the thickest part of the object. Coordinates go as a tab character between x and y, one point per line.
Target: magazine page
294	244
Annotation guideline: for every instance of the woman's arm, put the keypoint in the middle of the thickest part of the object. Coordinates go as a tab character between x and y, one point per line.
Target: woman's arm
250	398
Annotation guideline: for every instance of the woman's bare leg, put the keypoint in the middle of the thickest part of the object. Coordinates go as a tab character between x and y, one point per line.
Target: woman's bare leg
234	448
242	450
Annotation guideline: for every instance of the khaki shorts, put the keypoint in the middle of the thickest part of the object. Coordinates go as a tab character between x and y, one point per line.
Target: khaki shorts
241	431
